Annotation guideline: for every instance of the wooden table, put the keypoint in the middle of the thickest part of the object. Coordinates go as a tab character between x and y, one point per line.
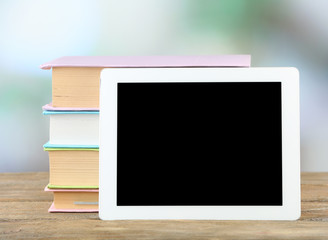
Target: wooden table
24	215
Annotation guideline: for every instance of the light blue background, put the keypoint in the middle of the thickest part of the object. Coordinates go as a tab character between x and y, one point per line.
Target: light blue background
275	33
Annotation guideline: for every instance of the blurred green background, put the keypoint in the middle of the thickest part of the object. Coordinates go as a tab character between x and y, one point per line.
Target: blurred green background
276	33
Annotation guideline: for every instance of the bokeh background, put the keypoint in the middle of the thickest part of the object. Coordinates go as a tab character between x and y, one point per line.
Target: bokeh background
276	33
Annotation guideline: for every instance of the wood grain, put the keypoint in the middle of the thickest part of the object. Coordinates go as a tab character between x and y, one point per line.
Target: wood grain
24	205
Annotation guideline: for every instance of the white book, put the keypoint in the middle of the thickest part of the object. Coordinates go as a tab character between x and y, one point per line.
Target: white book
74	128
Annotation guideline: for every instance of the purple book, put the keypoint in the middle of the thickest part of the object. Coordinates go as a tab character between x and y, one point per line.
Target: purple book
150	61
49	107
143	62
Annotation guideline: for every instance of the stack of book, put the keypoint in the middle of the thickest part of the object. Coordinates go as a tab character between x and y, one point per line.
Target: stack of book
73	146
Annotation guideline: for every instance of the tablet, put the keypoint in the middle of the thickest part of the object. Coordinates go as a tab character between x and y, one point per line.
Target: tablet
199	143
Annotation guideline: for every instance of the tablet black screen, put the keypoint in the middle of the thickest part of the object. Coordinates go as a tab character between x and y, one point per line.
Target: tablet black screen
199	144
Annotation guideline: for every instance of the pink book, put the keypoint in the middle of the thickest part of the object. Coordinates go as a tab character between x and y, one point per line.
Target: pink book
150	61
49	107
46	189
54	209
65	96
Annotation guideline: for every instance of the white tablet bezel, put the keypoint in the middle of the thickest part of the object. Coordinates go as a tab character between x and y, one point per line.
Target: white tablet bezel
289	78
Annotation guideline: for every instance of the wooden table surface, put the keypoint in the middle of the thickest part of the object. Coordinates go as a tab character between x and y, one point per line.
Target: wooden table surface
24	215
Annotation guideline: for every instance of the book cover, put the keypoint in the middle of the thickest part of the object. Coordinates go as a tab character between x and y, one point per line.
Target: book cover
53	147
150	61
49	107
